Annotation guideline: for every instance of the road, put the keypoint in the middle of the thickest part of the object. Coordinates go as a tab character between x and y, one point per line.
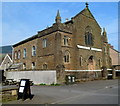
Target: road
92	92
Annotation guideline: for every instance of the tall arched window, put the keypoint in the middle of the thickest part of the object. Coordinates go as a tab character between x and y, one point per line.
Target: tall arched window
44	43
67	57
15	54
24	53
88	36
19	54
33	51
66	40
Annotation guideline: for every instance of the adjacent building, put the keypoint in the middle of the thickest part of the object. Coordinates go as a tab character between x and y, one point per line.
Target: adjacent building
115	57
6	62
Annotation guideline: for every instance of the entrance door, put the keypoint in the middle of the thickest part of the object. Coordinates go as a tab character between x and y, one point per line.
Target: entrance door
91	63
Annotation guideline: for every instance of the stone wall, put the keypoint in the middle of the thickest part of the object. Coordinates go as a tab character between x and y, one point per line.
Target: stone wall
86	75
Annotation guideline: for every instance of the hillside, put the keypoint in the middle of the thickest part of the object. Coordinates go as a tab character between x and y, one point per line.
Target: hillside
6	49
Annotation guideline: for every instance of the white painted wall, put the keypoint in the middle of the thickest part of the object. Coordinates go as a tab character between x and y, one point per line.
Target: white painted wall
38	77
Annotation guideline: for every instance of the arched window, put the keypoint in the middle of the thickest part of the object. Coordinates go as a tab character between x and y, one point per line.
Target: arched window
65	40
88	36
24	53
44	66
81	60
19	54
24	66
91	63
33	65
15	54
67	57
44	43
33	51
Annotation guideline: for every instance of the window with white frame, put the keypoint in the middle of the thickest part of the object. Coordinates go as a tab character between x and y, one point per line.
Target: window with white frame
19	54
44	43
33	51
33	65
67	57
24	53
66	40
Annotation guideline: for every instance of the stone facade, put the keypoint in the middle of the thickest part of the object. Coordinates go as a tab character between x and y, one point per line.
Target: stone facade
78	44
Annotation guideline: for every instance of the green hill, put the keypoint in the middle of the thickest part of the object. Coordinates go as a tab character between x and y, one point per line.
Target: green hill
6	49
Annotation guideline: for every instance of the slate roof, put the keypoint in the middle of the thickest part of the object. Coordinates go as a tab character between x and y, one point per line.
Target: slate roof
56	27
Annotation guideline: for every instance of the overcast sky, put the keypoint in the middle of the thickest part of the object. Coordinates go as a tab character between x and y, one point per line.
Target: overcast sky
21	20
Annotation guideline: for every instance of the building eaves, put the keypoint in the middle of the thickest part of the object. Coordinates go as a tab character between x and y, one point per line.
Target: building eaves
67	22
54	28
26	40
115	50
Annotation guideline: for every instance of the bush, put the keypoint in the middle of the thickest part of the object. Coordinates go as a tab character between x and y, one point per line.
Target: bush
42	84
55	84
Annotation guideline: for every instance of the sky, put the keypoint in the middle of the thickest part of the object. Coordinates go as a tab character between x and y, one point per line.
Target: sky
21	20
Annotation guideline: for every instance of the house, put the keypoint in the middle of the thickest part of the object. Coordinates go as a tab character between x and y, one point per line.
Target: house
78	46
6	62
115	57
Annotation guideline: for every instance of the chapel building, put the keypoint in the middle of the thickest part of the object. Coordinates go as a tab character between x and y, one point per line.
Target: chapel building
77	44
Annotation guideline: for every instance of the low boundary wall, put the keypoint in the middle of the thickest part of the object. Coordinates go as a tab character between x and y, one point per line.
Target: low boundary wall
38	77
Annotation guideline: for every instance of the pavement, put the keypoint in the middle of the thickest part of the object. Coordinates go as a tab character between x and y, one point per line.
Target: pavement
92	92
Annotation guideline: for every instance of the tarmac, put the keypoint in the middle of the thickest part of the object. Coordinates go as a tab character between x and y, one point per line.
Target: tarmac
91	92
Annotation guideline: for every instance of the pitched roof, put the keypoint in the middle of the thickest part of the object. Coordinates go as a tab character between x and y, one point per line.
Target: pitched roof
85	12
55	27
4	57
26	40
58	27
115	50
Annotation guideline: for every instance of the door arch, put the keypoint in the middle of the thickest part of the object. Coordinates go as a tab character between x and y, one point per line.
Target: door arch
91	63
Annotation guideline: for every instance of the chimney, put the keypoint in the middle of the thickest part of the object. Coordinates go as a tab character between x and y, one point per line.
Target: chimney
67	19
111	46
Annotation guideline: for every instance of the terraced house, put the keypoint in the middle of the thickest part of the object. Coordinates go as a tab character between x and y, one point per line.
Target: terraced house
79	46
